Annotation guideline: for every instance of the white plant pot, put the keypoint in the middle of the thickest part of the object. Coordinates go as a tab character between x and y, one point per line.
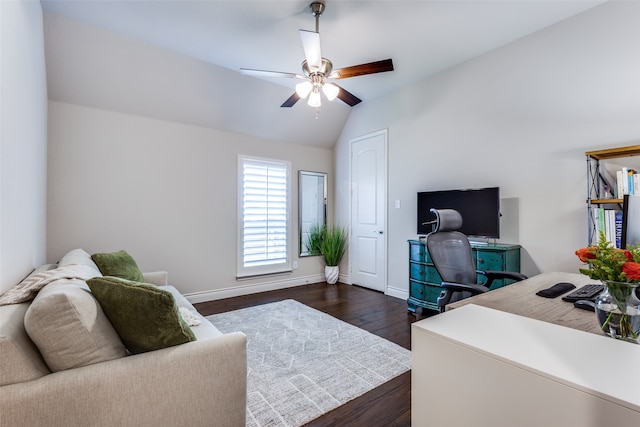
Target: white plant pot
331	273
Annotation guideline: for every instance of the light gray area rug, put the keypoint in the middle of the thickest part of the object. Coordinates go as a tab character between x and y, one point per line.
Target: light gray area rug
303	363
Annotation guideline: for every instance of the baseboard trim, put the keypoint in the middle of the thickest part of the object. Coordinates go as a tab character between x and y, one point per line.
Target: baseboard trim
344	278
239	290
397	293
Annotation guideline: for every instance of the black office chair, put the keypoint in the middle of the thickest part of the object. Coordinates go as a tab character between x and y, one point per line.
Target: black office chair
451	254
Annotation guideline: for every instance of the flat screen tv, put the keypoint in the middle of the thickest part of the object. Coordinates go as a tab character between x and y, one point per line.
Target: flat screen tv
480	210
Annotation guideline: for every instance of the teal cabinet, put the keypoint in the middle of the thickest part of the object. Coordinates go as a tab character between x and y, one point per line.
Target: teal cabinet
424	280
498	258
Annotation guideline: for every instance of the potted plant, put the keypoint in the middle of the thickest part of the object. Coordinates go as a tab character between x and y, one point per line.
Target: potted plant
332	248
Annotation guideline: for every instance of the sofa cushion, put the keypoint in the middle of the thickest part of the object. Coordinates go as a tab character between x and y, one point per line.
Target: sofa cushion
145	316
69	327
79	257
118	264
19	358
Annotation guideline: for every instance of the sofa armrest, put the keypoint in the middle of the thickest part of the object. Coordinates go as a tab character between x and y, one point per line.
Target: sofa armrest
201	383
158	278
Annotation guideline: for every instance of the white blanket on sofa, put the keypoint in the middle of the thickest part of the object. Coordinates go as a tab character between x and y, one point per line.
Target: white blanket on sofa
31	285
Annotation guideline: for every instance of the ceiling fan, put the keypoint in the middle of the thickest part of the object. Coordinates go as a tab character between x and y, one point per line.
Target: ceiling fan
317	70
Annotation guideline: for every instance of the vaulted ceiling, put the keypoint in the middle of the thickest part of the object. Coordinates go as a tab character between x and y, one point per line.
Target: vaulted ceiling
180	60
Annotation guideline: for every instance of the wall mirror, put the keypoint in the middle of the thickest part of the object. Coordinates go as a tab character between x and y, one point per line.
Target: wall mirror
312	205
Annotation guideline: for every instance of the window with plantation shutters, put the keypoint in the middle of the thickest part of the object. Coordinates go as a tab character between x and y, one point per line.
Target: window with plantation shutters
263	206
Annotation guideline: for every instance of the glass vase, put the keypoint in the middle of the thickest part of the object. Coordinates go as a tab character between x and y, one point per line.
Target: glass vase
618	310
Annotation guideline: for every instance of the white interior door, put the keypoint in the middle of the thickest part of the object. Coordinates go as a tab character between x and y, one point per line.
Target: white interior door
368	211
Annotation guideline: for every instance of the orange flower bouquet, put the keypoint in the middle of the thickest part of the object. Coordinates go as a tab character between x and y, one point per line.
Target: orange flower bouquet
618	308
610	264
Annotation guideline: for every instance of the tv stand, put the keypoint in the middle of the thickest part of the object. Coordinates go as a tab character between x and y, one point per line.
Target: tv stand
425	282
482	241
478	243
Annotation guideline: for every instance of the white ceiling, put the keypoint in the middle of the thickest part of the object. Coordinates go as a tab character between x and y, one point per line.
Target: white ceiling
423	37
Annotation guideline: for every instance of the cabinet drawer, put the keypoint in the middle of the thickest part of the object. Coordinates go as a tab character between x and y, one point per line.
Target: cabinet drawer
418	252
424	273
424	280
490	260
424	292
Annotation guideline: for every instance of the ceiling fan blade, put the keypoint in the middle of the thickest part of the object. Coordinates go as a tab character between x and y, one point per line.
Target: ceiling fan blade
265	73
311	46
362	69
291	100
347	97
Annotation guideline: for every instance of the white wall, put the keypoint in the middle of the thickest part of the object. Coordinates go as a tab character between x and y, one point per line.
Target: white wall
23	149
520	117
89	65
163	191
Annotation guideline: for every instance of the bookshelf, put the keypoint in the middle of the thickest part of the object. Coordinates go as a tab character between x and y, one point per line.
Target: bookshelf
597	181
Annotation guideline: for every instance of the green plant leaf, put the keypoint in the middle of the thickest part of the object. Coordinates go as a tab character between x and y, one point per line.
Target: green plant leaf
334	244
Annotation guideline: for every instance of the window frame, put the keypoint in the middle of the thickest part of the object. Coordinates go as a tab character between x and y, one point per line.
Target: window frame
243	271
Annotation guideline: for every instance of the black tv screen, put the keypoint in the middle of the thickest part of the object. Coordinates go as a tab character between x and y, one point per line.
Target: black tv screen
480	210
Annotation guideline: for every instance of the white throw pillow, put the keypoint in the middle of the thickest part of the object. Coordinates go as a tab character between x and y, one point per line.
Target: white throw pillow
79	257
69	327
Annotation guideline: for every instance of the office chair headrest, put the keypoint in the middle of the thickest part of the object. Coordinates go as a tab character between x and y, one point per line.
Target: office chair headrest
447	219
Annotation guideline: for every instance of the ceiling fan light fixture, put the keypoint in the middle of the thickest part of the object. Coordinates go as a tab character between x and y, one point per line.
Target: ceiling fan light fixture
330	91
314	99
316	70
304	88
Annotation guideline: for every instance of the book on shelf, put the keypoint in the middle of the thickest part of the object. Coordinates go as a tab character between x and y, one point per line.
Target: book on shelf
608	221
618	229
627	182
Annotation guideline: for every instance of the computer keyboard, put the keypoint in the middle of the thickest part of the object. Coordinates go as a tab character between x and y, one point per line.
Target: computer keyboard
587	292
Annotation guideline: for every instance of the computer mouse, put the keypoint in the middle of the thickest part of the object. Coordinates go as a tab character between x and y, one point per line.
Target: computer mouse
585	305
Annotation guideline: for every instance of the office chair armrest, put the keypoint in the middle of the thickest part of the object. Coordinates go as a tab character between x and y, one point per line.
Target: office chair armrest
492	275
505	275
448	289
459	287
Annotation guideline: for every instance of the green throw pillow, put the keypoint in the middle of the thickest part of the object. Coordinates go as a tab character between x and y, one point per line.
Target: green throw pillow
145	317
118	264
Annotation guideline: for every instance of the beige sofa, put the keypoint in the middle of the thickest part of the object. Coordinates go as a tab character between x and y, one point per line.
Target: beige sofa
94	383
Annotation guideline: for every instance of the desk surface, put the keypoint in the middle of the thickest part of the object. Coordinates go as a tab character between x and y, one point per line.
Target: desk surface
520	298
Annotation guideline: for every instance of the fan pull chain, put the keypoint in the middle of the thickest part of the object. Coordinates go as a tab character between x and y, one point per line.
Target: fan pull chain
317	113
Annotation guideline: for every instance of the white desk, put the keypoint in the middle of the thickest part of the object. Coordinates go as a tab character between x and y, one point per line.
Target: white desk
477	366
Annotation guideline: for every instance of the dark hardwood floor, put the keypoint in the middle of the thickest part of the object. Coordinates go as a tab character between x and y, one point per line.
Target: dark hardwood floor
385	316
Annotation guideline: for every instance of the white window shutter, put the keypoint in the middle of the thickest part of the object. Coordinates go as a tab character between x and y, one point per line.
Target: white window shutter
264	217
